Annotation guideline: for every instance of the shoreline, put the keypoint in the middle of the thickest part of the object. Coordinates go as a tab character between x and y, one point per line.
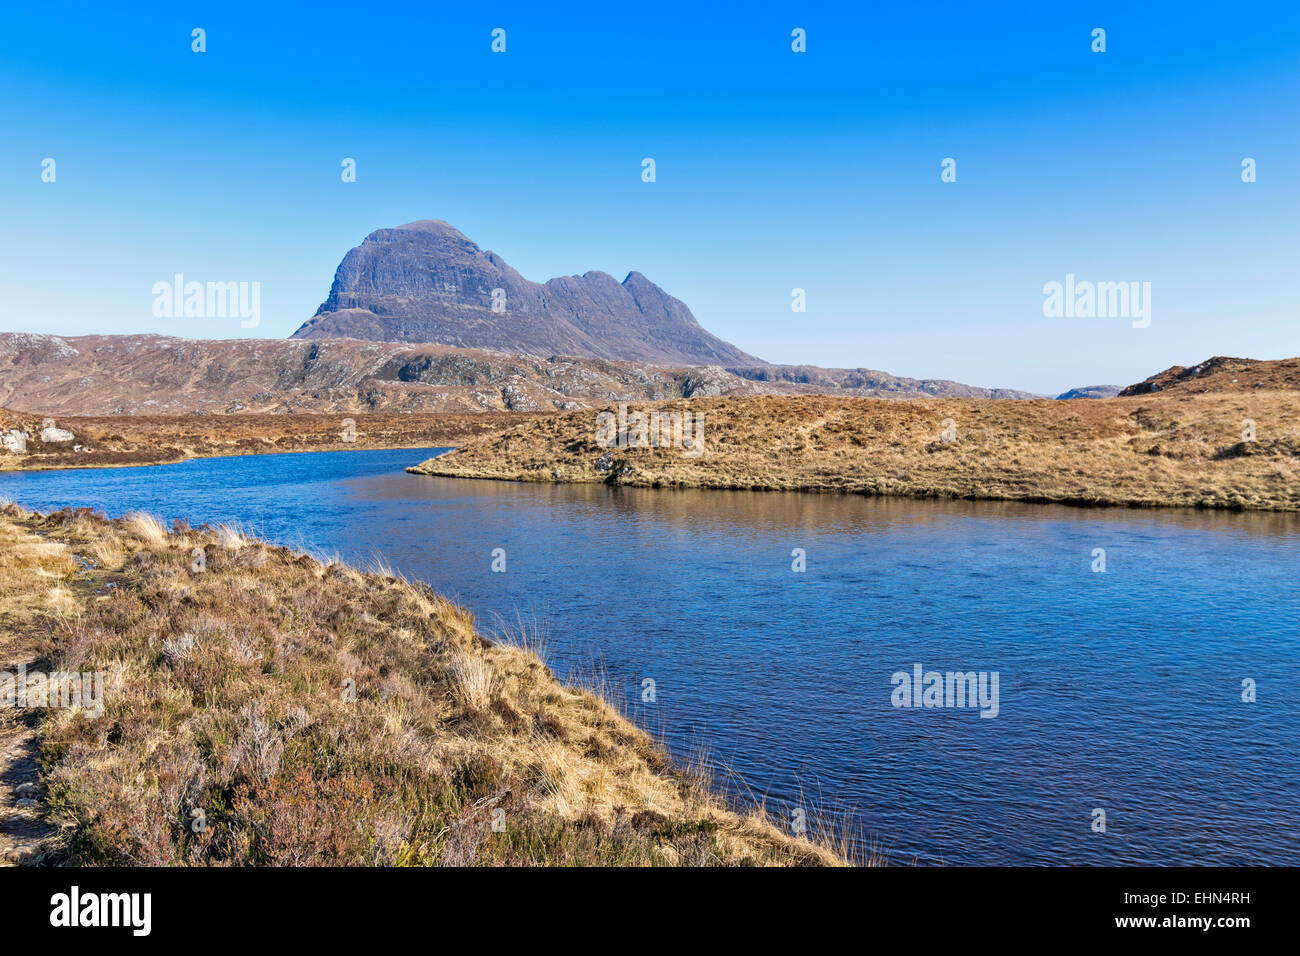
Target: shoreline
1082	503
130	441
1176	451
217	454
444	748
1147	452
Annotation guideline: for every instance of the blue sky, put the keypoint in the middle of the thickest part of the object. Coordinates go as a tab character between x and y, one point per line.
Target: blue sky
775	170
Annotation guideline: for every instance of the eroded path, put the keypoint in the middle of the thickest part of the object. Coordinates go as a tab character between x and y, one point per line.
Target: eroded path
33	593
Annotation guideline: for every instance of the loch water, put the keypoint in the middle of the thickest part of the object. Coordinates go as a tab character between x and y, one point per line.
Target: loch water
1119	690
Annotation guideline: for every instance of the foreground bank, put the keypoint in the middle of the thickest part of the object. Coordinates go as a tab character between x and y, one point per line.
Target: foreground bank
259	707
1236	450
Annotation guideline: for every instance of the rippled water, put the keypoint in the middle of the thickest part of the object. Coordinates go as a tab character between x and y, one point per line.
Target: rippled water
1119	690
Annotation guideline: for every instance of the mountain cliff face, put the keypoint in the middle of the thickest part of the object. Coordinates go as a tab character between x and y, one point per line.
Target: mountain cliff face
426	282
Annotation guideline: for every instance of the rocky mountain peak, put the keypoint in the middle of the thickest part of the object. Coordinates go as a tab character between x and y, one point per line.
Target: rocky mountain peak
427	282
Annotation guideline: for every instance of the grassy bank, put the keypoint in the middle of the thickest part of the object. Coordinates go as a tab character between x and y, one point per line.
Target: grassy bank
117	440
1155	450
264	708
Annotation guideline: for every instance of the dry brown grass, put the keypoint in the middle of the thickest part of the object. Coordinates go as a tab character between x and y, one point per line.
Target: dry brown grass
472	680
273	710
231	538
108	553
33	572
146	527
34	597
1177	449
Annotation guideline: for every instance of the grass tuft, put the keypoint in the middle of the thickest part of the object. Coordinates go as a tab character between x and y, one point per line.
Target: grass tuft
147	528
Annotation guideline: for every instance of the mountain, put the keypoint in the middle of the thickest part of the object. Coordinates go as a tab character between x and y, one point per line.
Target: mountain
161	375
426	282
1090	391
1223	374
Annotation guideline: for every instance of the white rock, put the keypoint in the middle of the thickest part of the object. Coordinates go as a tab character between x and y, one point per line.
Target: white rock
14	441
52	434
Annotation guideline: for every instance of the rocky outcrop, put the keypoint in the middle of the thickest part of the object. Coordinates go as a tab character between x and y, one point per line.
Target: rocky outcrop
426	282
51	434
1090	391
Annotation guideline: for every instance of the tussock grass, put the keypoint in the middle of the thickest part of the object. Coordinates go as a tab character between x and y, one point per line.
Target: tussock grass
379	566
311	714
147	528
528	633
472	679
231	538
108	553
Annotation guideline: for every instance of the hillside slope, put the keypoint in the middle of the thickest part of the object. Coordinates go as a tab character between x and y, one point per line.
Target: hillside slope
162	375
1223	374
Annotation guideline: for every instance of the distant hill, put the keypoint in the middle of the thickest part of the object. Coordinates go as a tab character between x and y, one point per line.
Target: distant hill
1090	391
810	379
161	375
11	418
426	282
1223	374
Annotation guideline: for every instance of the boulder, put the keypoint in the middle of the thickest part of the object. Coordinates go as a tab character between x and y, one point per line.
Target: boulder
14	441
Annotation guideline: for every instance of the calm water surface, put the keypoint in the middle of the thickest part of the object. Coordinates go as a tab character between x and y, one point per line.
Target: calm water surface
1118	690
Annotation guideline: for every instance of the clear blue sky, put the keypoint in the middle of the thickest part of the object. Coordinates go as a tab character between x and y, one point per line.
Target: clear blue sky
775	170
